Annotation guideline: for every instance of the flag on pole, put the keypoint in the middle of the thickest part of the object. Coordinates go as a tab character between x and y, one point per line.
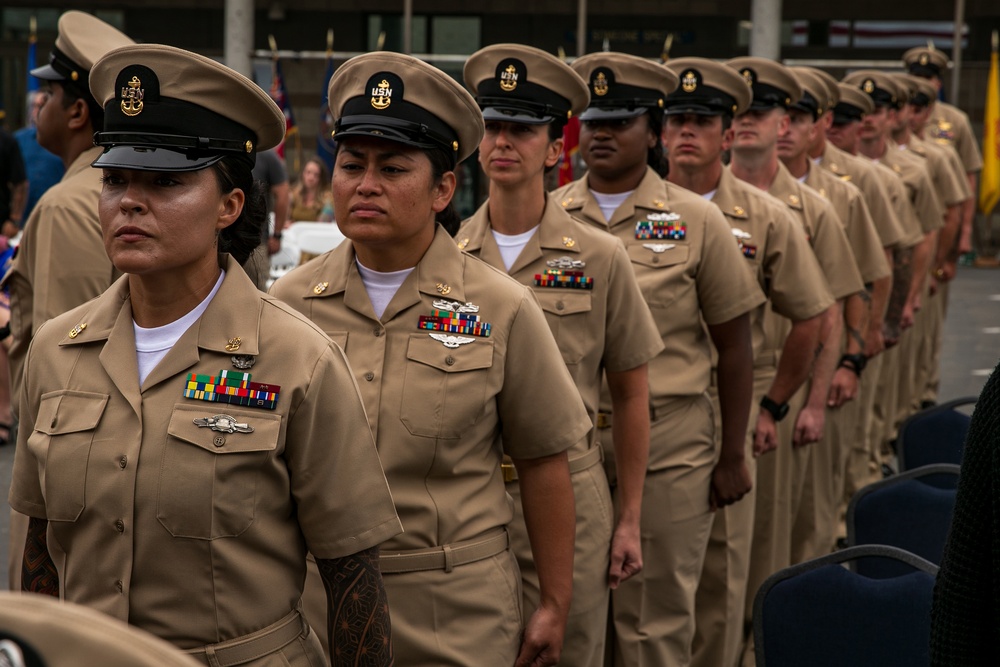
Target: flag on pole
280	96
33	83
571	146
325	147
989	186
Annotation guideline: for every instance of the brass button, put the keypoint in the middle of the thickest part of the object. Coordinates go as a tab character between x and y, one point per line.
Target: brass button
119	585
219	440
377	331
560	305
122	462
656	259
450	360
120	526
369	376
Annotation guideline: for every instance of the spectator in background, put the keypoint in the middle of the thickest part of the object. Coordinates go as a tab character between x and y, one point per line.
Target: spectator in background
13	185
311	198
269	170
42	168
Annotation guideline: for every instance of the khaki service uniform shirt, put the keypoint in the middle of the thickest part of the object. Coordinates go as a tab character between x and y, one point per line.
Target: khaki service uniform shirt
444	413
777	251
884	210
950	183
948	124
849	203
687	280
606	327
61	261
912	169
193	534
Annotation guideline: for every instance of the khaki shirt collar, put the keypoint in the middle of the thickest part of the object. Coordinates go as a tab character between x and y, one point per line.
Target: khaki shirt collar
83	161
477	238
729	198
649	195
786	188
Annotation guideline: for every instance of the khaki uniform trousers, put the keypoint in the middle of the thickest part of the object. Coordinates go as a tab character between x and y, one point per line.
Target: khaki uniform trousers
290	642
587	625
886	393
911	377
470	615
779	489
932	362
722	588
653	612
859	469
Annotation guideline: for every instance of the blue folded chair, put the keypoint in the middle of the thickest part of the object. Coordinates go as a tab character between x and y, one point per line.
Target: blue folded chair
823	614
911	510
934	435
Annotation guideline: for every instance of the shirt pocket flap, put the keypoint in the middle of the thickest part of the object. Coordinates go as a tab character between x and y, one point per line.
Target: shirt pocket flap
470	355
338	337
264	437
66	411
564	302
657	254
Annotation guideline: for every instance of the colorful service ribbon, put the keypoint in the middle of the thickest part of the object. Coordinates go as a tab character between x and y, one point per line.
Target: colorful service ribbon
232	387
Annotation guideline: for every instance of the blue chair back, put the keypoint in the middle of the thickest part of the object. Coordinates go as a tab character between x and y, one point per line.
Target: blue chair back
823	614
935	435
911	511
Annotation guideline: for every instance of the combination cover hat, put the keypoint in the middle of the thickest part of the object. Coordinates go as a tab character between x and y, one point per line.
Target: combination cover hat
41	631
82	41
707	88
852	106
623	86
830	84
925	61
815	94
400	98
522	84
878	85
771	83
167	109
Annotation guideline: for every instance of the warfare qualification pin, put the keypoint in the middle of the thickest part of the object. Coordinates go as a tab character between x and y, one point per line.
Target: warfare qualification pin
223	424
244	362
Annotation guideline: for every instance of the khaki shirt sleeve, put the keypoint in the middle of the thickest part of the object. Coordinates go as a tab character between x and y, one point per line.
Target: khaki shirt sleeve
726	286
833	251
865	243
329	448
966	145
879	202
25	494
632	338
927	205
798	289
955	166
539	406
76	267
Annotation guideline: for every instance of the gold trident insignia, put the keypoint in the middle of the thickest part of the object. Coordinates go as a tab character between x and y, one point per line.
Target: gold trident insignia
382	96
132	97
508	80
600	84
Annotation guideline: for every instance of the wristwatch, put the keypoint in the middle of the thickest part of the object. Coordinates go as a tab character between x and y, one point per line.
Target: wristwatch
853	362
777	410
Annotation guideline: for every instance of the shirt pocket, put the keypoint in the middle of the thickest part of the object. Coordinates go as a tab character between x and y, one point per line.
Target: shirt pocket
208	479
444	389
61	440
567	313
657	271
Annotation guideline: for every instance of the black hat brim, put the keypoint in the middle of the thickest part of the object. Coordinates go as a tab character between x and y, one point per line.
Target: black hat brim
512	115
695	109
141	158
613	113
47	73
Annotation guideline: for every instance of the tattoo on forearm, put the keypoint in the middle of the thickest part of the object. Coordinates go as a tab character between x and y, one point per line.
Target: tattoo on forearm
856	335
819	351
38	571
901	276
358	628
866	295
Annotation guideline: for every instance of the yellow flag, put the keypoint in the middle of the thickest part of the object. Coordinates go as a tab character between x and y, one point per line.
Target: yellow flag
989	186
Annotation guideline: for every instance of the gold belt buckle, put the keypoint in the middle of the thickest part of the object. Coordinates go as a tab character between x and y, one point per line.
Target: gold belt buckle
603	420
509	472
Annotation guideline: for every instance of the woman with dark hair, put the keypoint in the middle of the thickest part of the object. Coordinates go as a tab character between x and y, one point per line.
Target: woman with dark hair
457	367
689	271
179	452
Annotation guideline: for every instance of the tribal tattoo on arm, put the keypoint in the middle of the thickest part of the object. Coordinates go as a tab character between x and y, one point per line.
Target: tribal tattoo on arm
901	277
358	629
38	571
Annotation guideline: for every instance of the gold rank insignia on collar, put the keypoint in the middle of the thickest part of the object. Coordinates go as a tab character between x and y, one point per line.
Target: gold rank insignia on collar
77	330
794	200
463	244
568	241
319	288
738	210
443	288
234	344
896	168
658	203
566	202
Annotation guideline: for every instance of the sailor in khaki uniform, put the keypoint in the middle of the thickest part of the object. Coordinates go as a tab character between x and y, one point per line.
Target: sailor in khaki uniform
876	144
683	254
815	515
584	282
185	438
60	262
946	124
457	367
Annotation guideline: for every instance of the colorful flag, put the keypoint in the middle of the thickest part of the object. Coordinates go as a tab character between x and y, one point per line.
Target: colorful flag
571	146
325	146
989	185
33	83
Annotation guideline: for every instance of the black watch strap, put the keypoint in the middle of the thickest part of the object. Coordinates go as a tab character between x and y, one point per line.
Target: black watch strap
777	410
854	362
